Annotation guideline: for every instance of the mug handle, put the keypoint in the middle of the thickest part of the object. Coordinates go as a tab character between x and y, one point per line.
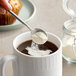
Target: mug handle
4	61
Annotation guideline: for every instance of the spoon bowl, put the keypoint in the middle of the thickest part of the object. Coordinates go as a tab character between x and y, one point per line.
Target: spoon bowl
38	30
36	33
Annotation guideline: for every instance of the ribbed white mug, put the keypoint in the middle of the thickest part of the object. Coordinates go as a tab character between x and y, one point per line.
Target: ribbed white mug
26	65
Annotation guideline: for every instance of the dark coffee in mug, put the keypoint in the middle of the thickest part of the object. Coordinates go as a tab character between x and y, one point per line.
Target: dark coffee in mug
43	47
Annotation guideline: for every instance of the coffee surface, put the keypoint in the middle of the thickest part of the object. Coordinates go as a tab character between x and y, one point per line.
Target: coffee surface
46	46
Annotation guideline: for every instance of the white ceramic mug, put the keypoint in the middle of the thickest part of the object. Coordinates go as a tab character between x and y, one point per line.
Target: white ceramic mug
26	65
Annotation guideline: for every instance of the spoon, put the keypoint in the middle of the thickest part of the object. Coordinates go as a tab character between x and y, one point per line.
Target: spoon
33	31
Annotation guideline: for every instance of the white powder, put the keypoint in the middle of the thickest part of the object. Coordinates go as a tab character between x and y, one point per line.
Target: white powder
34	51
68	49
68	52
39	38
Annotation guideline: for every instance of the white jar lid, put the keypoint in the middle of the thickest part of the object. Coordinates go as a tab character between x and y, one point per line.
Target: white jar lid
68	10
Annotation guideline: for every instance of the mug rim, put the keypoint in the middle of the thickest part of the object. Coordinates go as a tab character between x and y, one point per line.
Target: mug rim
15	49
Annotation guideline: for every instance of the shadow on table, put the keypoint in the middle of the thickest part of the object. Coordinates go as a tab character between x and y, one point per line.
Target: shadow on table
69	69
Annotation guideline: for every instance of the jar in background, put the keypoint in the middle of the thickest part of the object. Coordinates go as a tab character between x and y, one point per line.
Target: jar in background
69	40
69	34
